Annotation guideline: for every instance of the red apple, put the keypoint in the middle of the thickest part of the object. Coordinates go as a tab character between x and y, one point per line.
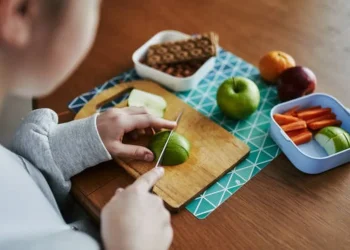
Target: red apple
295	82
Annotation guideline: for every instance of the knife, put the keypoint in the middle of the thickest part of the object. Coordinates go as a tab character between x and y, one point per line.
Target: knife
168	139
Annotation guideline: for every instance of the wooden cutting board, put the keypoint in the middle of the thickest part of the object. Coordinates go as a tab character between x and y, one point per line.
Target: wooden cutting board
214	151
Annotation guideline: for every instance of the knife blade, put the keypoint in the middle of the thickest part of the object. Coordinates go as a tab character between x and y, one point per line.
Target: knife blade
168	139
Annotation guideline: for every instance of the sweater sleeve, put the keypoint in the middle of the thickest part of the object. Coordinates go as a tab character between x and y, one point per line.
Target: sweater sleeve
59	151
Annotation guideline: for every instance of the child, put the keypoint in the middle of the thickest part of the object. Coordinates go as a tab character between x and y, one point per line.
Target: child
41	43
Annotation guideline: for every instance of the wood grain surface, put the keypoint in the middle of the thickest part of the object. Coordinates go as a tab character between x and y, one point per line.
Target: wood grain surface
281	208
214	151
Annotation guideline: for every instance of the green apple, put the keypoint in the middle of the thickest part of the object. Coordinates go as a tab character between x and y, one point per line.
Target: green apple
177	150
333	139
327	133
154	104
238	97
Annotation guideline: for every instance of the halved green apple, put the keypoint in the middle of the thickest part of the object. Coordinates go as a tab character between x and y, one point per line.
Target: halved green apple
154	104
177	150
333	139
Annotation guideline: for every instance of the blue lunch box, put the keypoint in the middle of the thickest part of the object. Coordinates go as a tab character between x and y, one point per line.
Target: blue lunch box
310	157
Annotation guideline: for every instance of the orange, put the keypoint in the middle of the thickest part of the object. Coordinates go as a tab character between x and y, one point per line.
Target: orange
273	64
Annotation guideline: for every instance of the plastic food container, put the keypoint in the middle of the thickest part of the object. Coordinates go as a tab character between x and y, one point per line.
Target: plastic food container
311	158
169	81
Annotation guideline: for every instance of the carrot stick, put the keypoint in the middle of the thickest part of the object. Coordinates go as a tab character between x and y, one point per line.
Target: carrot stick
292	111
324	123
284	119
310	108
310	114
302	138
322	117
297	132
294	126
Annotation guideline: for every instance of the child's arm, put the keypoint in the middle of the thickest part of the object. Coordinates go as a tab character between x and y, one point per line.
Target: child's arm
61	151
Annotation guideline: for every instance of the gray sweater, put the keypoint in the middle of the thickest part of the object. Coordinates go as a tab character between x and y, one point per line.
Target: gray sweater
50	153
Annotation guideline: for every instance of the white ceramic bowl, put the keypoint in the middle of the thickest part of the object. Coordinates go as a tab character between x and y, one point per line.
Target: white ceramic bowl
310	157
169	81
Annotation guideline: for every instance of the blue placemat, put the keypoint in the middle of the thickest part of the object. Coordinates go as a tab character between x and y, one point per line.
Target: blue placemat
253	130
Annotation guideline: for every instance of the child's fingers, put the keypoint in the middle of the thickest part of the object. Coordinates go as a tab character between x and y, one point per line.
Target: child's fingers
132	151
157	130
119	190
149	131
149	179
116	194
134	135
141	131
135	110
145	121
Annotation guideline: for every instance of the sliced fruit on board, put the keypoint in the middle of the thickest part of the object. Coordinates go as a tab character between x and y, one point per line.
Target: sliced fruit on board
324	123
294	126
322	117
310	114
302	138
177	150
154	104
333	139
284	119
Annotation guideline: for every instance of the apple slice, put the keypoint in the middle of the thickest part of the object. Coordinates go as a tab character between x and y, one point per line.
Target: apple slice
339	143
154	104
333	139
325	134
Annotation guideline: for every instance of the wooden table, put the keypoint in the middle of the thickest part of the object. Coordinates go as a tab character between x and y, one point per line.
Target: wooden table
281	208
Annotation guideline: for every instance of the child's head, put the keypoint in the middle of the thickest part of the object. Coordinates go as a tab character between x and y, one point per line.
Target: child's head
43	41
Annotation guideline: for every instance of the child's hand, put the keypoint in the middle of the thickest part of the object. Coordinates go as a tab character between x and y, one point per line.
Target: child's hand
135	219
113	124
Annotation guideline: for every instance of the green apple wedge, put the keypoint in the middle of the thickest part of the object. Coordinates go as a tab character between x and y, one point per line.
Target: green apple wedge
333	139
238	97
154	104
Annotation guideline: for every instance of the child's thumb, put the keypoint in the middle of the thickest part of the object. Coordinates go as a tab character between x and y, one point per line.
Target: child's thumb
134	152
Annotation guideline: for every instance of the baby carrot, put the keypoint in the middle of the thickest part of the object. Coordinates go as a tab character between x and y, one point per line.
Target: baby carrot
292	111
297	132
284	119
322	117
302	138
324	123
294	126
308	109
310	114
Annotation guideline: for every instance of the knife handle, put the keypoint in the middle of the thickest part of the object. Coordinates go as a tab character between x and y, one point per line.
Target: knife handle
103	98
